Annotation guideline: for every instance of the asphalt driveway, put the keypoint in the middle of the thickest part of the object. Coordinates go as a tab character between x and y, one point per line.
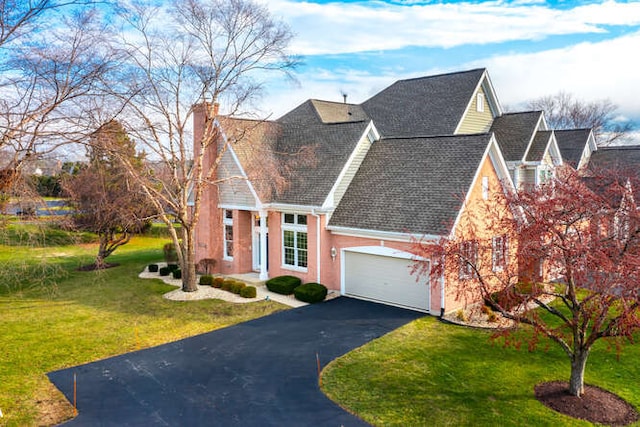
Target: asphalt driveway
259	373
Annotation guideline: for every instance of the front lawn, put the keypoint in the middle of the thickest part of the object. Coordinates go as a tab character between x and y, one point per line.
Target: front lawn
428	373
65	317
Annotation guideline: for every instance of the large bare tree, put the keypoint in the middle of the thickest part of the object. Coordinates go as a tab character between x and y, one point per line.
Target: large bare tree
564	111
195	53
52	71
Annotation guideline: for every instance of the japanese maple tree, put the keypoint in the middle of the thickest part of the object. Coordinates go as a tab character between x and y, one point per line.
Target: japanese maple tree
563	258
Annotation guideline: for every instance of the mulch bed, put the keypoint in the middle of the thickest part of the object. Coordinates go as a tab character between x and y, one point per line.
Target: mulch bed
93	267
596	405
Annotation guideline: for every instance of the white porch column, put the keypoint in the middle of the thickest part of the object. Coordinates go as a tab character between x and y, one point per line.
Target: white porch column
264	275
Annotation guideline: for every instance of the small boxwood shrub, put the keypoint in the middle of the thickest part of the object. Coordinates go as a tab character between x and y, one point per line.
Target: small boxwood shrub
284	285
177	274
226	284
173	267
217	282
206	280
310	292
153	268
237	286
164	271
248	292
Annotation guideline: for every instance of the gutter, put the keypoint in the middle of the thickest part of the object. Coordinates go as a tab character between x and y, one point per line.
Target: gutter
313	213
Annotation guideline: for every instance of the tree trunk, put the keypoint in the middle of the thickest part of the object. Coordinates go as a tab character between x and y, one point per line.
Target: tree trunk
189	283
578	364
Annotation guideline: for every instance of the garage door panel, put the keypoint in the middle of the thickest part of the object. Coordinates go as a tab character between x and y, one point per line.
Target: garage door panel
384	278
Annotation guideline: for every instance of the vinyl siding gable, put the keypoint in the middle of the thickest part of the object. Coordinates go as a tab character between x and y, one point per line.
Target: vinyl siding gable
350	169
234	188
475	121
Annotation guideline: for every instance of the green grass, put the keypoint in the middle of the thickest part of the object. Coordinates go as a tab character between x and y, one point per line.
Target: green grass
428	373
67	317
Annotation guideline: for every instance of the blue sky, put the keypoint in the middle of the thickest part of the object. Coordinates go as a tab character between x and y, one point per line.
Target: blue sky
531	48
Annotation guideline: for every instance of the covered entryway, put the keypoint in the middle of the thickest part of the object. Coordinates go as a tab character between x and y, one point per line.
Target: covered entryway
383	274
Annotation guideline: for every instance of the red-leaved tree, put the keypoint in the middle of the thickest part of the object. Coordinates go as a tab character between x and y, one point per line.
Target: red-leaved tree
563	258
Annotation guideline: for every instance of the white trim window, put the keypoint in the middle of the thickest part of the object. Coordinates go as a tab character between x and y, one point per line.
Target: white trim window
499	253
294	241
227	230
485	188
468	259
480	103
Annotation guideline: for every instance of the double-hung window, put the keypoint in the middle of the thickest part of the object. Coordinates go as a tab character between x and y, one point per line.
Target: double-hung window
468	258
227	221
500	251
294	240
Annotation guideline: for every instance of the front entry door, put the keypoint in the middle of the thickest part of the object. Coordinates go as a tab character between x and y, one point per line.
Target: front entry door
256	244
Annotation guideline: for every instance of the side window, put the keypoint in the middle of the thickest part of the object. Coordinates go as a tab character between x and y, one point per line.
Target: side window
499	253
468	256
227	224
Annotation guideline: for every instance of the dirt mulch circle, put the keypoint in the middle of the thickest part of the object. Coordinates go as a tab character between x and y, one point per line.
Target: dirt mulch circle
93	267
596	405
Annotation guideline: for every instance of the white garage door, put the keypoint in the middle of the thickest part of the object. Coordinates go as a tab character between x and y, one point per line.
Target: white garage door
383	278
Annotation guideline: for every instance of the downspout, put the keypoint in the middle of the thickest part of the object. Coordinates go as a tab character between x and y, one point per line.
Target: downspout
317	243
442	298
263	244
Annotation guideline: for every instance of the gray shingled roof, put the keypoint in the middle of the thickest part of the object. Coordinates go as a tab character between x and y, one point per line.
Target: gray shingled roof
571	144
338	112
539	145
413	185
427	106
626	158
331	143
514	131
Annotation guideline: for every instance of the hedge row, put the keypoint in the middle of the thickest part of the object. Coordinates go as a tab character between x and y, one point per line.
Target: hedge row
235	286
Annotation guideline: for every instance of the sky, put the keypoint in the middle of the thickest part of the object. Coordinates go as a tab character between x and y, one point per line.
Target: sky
531	48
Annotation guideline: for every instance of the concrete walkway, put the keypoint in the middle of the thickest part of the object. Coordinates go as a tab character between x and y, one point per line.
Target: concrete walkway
259	373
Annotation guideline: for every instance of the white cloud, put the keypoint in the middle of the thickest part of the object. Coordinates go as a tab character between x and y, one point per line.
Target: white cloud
590	71
364	26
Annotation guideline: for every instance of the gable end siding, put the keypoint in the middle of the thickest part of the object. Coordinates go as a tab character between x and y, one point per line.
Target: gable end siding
360	152
234	189
475	121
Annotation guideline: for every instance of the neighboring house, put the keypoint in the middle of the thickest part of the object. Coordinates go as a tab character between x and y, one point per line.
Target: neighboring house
339	193
576	146
625	158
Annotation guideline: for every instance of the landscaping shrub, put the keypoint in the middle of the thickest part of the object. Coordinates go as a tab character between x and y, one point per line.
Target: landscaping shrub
310	292
177	274
206	265
217	282
284	285
164	271
237	286
226	284
248	292
170	254
153	268
206	280
173	267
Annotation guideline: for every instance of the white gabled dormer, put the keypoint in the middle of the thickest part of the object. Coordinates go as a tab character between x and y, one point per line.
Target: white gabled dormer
482	108
369	137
